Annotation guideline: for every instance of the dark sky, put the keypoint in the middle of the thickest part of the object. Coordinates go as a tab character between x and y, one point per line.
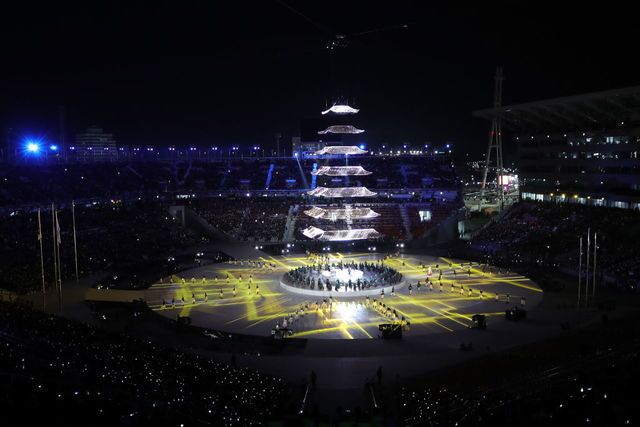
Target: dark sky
239	71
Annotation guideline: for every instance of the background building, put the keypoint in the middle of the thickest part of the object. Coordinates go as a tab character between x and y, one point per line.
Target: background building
577	149
94	145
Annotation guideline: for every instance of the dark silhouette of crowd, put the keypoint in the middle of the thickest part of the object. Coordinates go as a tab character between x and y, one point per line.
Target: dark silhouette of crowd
544	236
67	373
108	236
588	377
24	184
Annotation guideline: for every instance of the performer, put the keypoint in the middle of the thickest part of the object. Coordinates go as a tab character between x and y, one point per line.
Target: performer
221	294
234	290
523	301
193	298
410	289
429	271
206	297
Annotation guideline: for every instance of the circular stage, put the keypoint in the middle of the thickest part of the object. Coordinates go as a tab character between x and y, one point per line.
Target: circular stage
338	278
250	297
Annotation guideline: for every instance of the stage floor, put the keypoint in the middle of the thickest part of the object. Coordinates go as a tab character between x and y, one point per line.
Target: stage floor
428	311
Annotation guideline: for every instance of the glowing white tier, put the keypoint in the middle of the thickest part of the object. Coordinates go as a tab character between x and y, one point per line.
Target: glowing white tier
336	214
341	129
340	235
341	192
341	149
342	171
341	109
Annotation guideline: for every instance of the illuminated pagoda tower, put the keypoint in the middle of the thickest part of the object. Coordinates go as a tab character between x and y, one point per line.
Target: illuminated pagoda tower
345	213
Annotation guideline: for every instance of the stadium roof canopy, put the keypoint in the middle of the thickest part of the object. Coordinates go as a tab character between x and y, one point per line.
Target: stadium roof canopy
341	171
589	111
341	192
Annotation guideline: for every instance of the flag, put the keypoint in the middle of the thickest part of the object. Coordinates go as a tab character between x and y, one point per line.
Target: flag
58	229
39	227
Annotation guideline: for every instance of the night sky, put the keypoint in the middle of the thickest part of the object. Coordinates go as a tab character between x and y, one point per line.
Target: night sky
238	72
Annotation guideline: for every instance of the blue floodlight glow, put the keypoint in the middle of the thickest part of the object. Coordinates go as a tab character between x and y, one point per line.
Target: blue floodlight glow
33	147
53	147
362	146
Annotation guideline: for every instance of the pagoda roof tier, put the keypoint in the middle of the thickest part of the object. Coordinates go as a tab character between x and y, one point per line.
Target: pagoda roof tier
335	214
340	109
341	192
341	149
342	171
341	129
341	235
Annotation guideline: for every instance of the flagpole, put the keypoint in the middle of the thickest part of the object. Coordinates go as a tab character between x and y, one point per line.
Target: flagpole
579	271
44	298
59	263
55	258
75	243
595	253
586	275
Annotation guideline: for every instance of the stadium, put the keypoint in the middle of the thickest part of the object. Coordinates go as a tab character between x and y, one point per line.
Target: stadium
343	275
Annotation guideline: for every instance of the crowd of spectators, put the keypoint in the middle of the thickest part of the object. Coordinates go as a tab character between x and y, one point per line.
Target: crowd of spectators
40	183
546	235
68	373
265	220
586	378
249	219
108	236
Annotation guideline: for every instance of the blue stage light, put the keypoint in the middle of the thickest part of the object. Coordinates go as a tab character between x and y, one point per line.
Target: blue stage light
33	147
53	147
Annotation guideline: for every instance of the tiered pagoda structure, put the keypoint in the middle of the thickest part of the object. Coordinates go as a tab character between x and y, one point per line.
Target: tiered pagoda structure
344	213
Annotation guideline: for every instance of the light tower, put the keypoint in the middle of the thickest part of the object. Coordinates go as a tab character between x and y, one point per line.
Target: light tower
495	142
